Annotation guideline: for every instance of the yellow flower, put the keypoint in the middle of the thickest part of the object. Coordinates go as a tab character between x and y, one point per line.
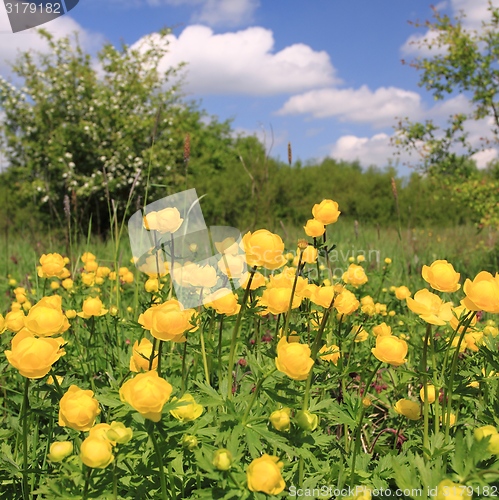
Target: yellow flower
59	450
228	246
264	248
408	409
67	284
484	431
118	433
326	212
92	307
306	420
452	420
447	490
87	257
280	419
431	393
402	292
314	228
293	359
441	276
430	307
52	266
147	393
361	258
258	281
482	293
346	302
168	321
388	261
91	266
222	459
140	356
360	335
276	300
309	255
232	266
46	317
70	314
189	411
355	275
224	301
330	353
78	409
88	278
14	320
264	474
32	356
167	220
54	285
152	285
2	324
382	330
391	350
96	453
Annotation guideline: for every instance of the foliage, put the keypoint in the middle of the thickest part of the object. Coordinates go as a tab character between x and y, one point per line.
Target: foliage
463	63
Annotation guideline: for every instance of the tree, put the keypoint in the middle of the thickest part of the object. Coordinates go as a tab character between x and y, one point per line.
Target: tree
466	63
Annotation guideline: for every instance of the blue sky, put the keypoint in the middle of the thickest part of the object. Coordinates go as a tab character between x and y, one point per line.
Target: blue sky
325	75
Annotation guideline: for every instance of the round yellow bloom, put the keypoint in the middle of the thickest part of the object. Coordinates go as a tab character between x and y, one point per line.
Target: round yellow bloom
330	353
430	307
88	279
306	420
355	275
54	285
326	212
314	228
346	302
59	450
382	330
52	266
119	433
222	459
276	300
280	419
264	248
147	393
92	307
293	359
258	281
408	409
96	452
32	356
167	220
152	285
309	255
441	276
224	301
189	411
78	409
67	284
264	474
91	266
2	324
232	266
87	257
141	354
46	317
168	321
484	431
402	292
14	320
447	490
482	294
431	393
390	349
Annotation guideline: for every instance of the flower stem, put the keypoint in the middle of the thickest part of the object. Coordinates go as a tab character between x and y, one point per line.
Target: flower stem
24	413
255	394
288	313
425	391
162	478
205	361
233	341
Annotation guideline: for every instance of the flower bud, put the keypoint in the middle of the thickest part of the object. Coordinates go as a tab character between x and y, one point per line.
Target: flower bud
189	442
60	450
222	459
280	419
306	421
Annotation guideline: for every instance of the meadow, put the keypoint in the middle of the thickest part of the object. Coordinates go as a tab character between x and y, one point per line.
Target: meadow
342	363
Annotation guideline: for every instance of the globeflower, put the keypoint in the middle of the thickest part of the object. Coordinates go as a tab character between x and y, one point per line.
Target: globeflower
382	330
355	275
293	359
59	450
32	356
92	307
276	300
482	294
264	475
314	228
264	249
280	419
224	301
390	349
448	490
14	320
189	411
430	389
147	393
402	292
441	276
346	302
167	220
2	324
52	265
408	409
430	307
46	318
141	354
78	409
326	212
96	453
330	353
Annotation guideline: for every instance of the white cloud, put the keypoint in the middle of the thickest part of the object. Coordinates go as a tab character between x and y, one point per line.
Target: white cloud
226	12
483	158
375	150
11	44
362	105
243	62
